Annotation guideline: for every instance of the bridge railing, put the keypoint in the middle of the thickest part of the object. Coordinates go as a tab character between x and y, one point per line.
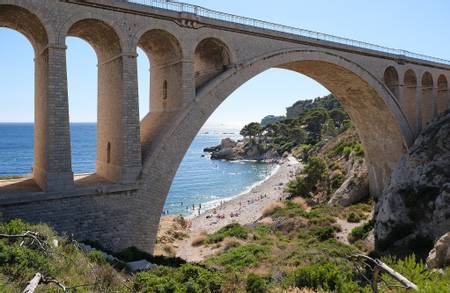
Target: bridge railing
213	14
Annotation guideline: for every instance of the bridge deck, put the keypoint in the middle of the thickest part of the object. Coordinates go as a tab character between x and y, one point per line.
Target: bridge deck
198	11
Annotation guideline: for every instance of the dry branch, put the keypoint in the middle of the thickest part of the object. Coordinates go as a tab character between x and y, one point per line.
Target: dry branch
380	267
32	285
35	237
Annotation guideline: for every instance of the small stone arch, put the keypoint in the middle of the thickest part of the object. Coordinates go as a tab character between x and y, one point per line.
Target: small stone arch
391	80
427	80
101	36
32	27
442	82
212	57
410	78
409	99
107	45
165	54
25	22
443	94
428	106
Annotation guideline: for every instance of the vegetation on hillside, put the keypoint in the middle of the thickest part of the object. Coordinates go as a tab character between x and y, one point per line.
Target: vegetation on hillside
320	120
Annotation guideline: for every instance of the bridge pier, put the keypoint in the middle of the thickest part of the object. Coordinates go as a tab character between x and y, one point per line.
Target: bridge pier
52	169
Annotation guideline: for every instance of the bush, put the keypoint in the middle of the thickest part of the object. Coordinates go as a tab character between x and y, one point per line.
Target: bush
347	151
97	257
244	256
360	232
315	171
231	230
354	218
428	281
187	278
324	276
256	284
325	233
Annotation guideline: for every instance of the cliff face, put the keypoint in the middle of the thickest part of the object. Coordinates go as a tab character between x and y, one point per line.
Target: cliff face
414	209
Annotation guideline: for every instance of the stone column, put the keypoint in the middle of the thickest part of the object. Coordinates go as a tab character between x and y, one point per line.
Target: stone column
132	162
52	168
118	147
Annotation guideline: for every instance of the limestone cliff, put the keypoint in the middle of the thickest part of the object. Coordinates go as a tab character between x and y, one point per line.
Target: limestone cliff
414	210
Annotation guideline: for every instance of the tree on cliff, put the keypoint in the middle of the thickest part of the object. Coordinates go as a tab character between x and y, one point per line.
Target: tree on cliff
251	130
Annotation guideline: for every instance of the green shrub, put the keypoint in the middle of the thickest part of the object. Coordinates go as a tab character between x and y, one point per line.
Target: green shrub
360	232
231	230
97	257
347	151
148	282
187	278
337	181
244	256
256	284
323	276
315	171
428	281
354	217
358	149
325	233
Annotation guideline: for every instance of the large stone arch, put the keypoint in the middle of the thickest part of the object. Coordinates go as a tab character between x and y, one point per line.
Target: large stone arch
376	113
110	101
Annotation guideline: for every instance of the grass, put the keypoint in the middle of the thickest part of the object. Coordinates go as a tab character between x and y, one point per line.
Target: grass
231	230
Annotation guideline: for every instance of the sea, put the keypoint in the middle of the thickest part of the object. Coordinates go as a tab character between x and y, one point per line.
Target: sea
199	181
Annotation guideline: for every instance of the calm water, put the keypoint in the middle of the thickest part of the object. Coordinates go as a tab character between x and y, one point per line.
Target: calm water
199	180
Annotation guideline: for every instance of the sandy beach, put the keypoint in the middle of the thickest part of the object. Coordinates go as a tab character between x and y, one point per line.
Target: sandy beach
245	209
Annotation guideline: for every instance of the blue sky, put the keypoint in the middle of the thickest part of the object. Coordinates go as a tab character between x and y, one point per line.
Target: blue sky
418	26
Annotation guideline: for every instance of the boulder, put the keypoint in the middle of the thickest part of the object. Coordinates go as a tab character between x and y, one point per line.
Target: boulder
439	256
414	209
354	189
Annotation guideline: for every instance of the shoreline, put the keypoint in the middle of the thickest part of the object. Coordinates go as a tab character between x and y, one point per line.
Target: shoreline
217	203
244	209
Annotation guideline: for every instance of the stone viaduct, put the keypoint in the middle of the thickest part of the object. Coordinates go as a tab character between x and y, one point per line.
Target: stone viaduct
198	58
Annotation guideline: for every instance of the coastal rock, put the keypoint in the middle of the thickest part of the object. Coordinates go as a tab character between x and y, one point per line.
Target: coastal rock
355	188
246	149
414	209
439	256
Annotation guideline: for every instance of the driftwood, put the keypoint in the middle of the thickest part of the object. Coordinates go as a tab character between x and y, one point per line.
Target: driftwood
35	238
380	267
40	279
32	285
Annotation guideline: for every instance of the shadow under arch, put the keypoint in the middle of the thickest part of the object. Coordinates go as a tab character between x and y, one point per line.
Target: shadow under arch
443	94
107	46
377	116
165	55
211	58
